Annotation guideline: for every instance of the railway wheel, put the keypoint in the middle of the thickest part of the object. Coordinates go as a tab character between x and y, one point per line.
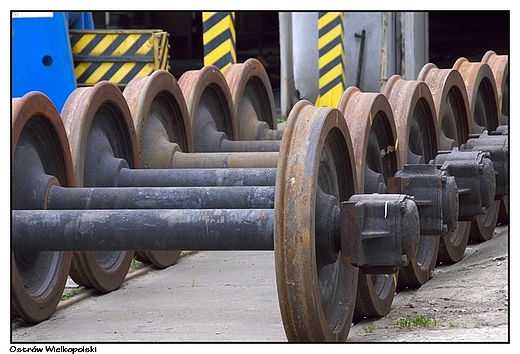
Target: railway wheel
160	119
254	101
98	118
39	146
371	124
483	103
210	107
453	121
482	94
316	286
500	66
416	124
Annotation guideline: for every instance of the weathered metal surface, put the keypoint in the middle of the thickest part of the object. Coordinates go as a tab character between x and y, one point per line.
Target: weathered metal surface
196	177
38	278
161	198
31	185
162	124
112	230
317	286
497	145
249	145
499	65
435	194
225	160
254	101
213	115
475	177
165	130
371	123
160	117
95	118
483	102
415	119
451	104
194	218
482	94
454	123
316	294
210	107
385	235
418	140
372	129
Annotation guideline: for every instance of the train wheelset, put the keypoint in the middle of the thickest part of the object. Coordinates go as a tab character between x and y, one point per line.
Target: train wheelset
357	202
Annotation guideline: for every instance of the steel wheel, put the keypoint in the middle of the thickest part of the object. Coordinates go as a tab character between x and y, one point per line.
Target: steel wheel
500	66
316	287
416	123
162	124
254	101
371	125
39	145
482	93
210	107
453	121
97	119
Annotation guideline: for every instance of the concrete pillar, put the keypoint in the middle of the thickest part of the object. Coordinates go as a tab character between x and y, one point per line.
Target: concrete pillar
287	88
415	34
395	43
305	54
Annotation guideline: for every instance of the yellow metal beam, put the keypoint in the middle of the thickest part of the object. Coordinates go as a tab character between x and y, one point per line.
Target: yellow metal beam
219	39
331	61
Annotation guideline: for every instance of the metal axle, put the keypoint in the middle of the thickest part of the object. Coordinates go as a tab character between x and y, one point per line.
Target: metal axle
197	177
161	198
150	229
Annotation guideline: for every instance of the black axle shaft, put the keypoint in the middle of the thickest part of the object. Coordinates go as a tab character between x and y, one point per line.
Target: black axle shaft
149	229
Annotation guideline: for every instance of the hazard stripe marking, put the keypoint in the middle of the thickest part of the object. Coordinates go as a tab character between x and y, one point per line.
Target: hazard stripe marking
331	62
219	39
117	56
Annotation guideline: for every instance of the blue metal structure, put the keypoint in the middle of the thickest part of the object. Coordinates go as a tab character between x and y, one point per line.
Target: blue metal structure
41	54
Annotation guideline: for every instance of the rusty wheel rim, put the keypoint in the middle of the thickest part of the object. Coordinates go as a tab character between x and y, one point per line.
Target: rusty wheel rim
451	104
483	227
210	106
483	101
316	289
416	123
38	278
454	121
95	118
252	97
370	122
503	213
499	65
482	94
160	118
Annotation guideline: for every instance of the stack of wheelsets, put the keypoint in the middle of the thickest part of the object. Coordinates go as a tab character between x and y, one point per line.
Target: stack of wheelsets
357	201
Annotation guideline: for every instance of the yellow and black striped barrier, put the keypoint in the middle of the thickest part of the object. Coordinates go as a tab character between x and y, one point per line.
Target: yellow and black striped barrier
219	39
331	62
117	55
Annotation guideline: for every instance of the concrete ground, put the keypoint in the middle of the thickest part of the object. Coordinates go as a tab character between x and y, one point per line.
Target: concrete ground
204	297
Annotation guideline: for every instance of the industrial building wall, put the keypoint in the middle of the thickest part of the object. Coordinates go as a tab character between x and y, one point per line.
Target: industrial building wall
408	40
394	43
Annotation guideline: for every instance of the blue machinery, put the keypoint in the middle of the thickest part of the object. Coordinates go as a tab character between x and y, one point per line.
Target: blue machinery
42	55
55	52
